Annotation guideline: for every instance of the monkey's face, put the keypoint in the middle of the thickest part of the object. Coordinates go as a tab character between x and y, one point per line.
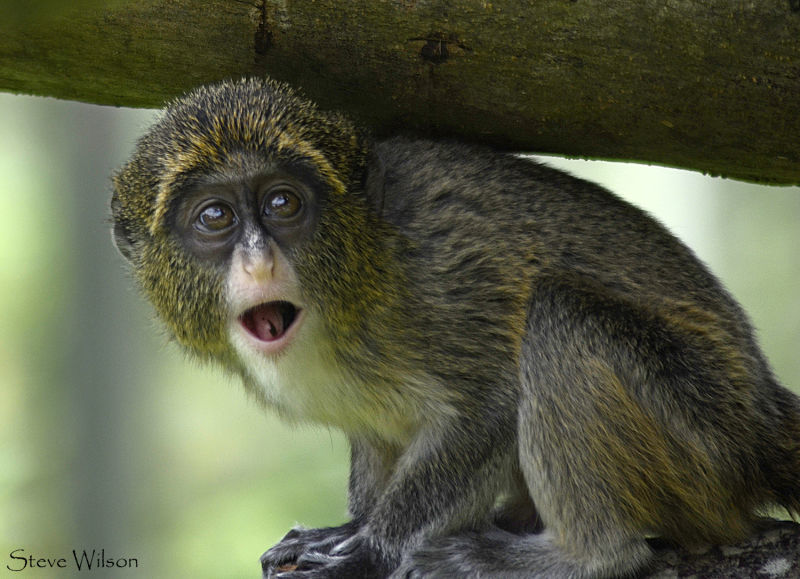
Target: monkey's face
219	213
221	273
244	228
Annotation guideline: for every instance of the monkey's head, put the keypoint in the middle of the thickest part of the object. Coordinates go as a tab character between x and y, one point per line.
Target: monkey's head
245	218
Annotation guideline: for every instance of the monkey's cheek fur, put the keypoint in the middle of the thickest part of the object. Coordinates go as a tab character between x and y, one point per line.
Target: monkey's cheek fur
268	328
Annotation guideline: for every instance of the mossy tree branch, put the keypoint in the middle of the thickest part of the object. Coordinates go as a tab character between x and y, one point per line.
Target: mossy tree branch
774	553
711	85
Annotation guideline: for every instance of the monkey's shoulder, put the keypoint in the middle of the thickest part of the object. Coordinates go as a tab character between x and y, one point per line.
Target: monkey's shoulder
420	170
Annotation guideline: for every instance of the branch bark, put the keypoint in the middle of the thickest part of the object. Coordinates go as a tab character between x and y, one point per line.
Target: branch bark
773	553
711	85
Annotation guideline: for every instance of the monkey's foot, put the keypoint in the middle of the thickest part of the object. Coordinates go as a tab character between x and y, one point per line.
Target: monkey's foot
309	544
498	553
454	556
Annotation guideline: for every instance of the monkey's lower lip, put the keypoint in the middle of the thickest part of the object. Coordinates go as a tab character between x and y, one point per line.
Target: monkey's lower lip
269	322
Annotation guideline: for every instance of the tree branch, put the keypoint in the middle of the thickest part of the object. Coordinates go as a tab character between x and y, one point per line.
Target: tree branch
711	85
774	553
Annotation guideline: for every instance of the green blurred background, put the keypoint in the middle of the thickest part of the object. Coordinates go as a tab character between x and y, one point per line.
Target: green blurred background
110	439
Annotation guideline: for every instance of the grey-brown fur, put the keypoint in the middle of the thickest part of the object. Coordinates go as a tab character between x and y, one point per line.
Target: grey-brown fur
561	375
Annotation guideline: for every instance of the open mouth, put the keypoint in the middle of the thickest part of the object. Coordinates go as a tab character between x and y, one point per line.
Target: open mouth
270	321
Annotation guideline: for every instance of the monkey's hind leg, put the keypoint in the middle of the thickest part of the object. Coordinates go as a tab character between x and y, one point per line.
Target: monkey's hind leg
616	440
496	553
610	442
583	449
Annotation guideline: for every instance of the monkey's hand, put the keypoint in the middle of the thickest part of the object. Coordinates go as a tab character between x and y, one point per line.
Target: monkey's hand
352	558
303	543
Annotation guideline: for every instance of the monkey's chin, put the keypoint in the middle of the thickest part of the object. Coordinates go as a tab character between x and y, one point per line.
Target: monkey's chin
270	327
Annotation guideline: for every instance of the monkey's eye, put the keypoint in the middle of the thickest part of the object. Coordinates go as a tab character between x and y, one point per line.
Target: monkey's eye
215	218
282	203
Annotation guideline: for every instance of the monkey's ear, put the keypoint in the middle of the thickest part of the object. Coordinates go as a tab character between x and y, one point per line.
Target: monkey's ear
121	237
120	234
373	182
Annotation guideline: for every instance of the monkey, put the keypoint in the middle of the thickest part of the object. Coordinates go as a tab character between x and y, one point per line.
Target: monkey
533	375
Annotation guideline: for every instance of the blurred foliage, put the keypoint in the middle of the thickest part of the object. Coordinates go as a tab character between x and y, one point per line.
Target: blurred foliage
110	439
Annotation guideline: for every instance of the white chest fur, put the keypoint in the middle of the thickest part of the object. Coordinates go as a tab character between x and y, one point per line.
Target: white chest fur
304	384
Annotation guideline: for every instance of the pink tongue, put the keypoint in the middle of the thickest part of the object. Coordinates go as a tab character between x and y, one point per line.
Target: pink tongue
265	322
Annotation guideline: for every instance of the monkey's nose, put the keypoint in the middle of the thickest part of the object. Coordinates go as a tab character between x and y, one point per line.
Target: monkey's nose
259	265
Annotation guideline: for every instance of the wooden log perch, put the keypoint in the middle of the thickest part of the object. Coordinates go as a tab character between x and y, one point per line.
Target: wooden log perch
710	85
772	553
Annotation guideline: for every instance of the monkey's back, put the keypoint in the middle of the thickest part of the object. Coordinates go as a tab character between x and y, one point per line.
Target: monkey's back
486	230
492	221
504	203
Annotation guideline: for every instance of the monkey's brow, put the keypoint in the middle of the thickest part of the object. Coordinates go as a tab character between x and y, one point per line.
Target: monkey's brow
239	171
